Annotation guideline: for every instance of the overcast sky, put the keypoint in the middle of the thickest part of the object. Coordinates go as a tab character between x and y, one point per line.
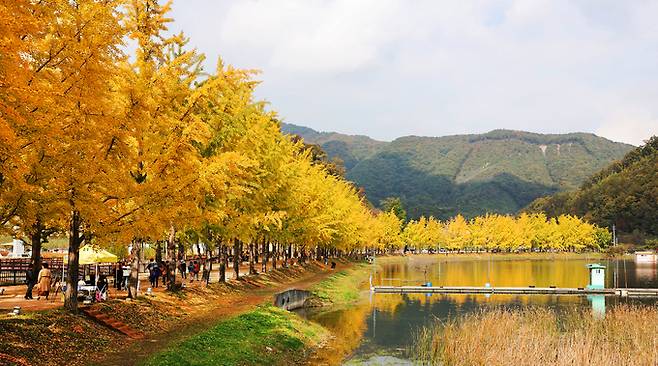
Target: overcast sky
392	68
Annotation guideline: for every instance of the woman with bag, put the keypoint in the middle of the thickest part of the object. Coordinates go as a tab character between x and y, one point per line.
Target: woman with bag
44	281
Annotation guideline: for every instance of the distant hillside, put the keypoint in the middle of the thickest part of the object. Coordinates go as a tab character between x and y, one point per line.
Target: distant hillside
625	194
501	171
349	148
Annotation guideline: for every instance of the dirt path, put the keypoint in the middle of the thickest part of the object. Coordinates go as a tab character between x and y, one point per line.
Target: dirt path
205	316
14	296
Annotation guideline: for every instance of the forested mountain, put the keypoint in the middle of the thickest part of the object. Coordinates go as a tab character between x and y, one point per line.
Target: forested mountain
349	148
625	193
498	172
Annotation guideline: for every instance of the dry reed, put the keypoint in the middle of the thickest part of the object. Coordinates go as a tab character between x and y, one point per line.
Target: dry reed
627	335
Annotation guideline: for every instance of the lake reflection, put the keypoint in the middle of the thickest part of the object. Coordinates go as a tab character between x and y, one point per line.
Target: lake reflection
380	328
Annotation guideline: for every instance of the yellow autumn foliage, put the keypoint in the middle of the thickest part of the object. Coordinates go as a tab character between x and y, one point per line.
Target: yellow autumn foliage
110	143
506	233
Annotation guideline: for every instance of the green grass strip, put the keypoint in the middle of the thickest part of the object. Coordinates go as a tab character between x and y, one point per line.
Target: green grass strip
264	336
343	287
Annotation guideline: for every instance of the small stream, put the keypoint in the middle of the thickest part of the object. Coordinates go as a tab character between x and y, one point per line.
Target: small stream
379	329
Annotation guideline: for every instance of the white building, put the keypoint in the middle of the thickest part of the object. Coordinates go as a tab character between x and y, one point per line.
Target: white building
16	248
646	257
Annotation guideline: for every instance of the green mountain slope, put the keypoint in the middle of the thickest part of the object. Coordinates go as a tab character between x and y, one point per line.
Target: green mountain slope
500	171
625	194
349	148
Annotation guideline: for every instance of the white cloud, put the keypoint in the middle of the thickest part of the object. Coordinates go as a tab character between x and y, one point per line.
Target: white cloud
394	67
314	36
630	126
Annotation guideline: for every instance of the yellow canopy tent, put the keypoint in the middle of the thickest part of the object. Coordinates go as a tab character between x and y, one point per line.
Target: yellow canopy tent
91	255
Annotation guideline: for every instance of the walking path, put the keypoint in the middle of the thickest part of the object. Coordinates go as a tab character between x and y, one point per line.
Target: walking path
14	295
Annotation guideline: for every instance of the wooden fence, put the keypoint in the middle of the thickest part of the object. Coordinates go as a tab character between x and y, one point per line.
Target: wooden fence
13	270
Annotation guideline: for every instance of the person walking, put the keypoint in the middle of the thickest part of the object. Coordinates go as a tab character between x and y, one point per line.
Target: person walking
157	272
190	268
31	280
183	269
197	268
165	272
152	272
44	281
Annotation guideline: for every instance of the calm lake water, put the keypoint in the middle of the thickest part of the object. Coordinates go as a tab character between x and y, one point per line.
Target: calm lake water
379	329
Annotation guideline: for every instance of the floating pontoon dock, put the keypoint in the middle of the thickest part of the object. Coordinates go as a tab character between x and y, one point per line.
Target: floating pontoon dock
632	292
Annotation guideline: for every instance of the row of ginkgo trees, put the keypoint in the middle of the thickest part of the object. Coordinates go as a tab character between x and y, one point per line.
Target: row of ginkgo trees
115	146
524	232
111	132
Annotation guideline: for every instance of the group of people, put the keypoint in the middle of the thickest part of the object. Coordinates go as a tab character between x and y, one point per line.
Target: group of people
194	267
157	270
121	274
43	280
100	291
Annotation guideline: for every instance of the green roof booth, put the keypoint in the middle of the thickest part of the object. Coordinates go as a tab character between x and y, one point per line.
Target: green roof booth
596	276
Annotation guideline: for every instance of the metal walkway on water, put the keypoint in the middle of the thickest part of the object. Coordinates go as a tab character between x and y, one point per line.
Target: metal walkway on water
631	292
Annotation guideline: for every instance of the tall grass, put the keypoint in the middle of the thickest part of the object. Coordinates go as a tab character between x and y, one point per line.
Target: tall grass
628	335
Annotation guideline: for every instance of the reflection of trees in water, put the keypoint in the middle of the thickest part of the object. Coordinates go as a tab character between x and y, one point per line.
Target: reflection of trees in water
348	326
477	272
398	317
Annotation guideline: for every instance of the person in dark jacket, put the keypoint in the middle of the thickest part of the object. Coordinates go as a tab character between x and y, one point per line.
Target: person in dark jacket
118	276
31	280
103	284
183	269
190	269
157	273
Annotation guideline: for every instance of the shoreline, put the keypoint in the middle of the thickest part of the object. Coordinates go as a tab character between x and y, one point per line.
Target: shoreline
306	339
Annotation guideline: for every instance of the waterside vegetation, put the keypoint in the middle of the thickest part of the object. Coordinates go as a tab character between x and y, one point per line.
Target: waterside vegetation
526	232
341	288
627	335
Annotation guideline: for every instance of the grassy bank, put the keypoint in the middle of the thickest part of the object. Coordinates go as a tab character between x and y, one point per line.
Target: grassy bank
264	336
341	288
627	335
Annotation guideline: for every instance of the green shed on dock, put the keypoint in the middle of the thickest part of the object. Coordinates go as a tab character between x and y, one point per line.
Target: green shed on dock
596	276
